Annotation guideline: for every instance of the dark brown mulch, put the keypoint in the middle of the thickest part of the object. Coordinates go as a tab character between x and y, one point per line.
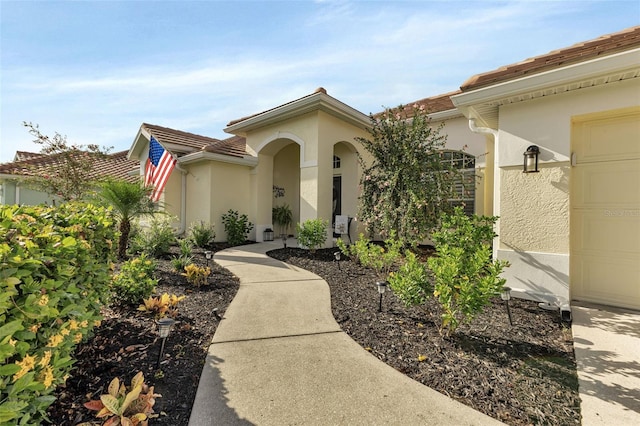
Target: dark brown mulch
521	375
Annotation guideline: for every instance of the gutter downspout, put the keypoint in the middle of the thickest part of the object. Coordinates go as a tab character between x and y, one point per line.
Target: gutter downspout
183	201
496	177
547	300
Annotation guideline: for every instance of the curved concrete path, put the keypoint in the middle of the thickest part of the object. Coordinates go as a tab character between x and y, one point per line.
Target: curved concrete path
279	358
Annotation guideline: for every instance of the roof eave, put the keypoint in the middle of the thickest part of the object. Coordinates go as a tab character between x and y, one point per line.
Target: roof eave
196	157
317	101
485	100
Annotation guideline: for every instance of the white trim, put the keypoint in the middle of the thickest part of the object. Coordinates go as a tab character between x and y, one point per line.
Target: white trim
445	115
615	63
313	102
286	135
210	156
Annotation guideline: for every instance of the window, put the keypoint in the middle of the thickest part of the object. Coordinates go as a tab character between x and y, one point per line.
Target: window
465	188
336	162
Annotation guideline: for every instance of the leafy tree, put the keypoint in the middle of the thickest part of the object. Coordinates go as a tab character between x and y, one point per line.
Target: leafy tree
407	185
68	170
129	201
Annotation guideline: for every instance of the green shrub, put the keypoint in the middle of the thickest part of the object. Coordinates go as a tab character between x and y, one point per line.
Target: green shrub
180	262
186	248
411	282
237	227
54	274
465	276
312	233
202	234
156	239
135	281
372	255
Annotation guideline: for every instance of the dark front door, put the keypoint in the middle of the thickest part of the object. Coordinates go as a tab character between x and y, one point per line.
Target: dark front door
337	198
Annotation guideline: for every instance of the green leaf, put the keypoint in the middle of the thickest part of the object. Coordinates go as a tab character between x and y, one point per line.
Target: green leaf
10	328
10	410
9	369
69	242
111	403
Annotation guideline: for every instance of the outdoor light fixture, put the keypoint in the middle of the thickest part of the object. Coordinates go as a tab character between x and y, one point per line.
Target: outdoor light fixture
531	159
382	287
164	328
284	240
208	255
337	256
268	234
506	296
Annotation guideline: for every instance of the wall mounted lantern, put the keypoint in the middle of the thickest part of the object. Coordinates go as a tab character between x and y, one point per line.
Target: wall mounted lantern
382	287
164	328
268	234
531	159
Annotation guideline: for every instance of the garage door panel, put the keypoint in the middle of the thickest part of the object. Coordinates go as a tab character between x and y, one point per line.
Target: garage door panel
611	231
609	185
625	130
605	209
615	281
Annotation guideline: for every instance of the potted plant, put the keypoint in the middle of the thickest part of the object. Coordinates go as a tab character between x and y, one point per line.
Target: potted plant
283	217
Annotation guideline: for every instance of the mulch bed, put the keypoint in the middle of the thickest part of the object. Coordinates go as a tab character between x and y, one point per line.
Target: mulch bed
521	375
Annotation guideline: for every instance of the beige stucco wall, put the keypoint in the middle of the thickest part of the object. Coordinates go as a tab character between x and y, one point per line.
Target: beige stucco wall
535	209
14	192
212	189
286	174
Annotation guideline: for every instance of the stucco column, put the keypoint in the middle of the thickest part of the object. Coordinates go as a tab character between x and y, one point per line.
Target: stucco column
262	187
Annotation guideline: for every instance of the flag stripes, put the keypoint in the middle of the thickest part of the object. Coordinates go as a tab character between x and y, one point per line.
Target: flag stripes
158	168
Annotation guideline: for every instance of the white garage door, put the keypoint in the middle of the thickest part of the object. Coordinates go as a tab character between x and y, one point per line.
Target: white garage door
605	209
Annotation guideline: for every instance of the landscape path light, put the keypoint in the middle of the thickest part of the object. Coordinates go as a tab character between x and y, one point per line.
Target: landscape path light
284	240
506	296
382	287
208	254
164	328
337	256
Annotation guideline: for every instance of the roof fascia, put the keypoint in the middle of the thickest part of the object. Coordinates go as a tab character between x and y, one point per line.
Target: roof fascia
139	143
445	115
565	75
210	156
314	102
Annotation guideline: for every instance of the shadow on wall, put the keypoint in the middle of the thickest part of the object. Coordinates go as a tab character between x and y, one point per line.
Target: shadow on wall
530	260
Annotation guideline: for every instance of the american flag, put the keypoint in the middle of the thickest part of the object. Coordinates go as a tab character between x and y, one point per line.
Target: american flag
158	168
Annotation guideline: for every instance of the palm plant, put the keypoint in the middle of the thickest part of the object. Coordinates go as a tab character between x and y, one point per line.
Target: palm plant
129	201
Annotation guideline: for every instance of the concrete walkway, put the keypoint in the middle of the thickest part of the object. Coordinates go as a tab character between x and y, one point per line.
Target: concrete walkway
607	348
279	358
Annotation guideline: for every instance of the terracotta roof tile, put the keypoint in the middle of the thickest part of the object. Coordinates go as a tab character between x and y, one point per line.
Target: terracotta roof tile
601	46
431	105
24	155
234	146
112	165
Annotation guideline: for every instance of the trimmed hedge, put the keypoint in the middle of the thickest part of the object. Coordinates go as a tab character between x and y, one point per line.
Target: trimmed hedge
55	271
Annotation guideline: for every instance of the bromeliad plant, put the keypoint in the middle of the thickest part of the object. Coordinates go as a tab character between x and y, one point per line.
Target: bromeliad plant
124	406
197	275
162	306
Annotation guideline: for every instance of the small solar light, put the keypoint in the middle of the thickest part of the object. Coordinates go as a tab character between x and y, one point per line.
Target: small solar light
506	296
382	287
337	255
284	240
164	328
208	254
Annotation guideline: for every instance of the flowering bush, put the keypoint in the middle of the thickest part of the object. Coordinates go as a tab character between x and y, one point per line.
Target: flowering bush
406	187
54	274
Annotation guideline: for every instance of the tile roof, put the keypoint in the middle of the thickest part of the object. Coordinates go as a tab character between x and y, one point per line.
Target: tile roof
432	105
234	146
24	155
580	52
114	165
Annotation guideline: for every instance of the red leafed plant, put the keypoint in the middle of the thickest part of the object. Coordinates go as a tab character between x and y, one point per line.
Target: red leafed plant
124	406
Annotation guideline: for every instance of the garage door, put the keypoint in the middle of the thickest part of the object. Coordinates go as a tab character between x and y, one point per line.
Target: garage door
605	209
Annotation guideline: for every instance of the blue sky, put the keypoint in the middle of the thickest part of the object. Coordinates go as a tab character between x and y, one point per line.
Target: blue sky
95	70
